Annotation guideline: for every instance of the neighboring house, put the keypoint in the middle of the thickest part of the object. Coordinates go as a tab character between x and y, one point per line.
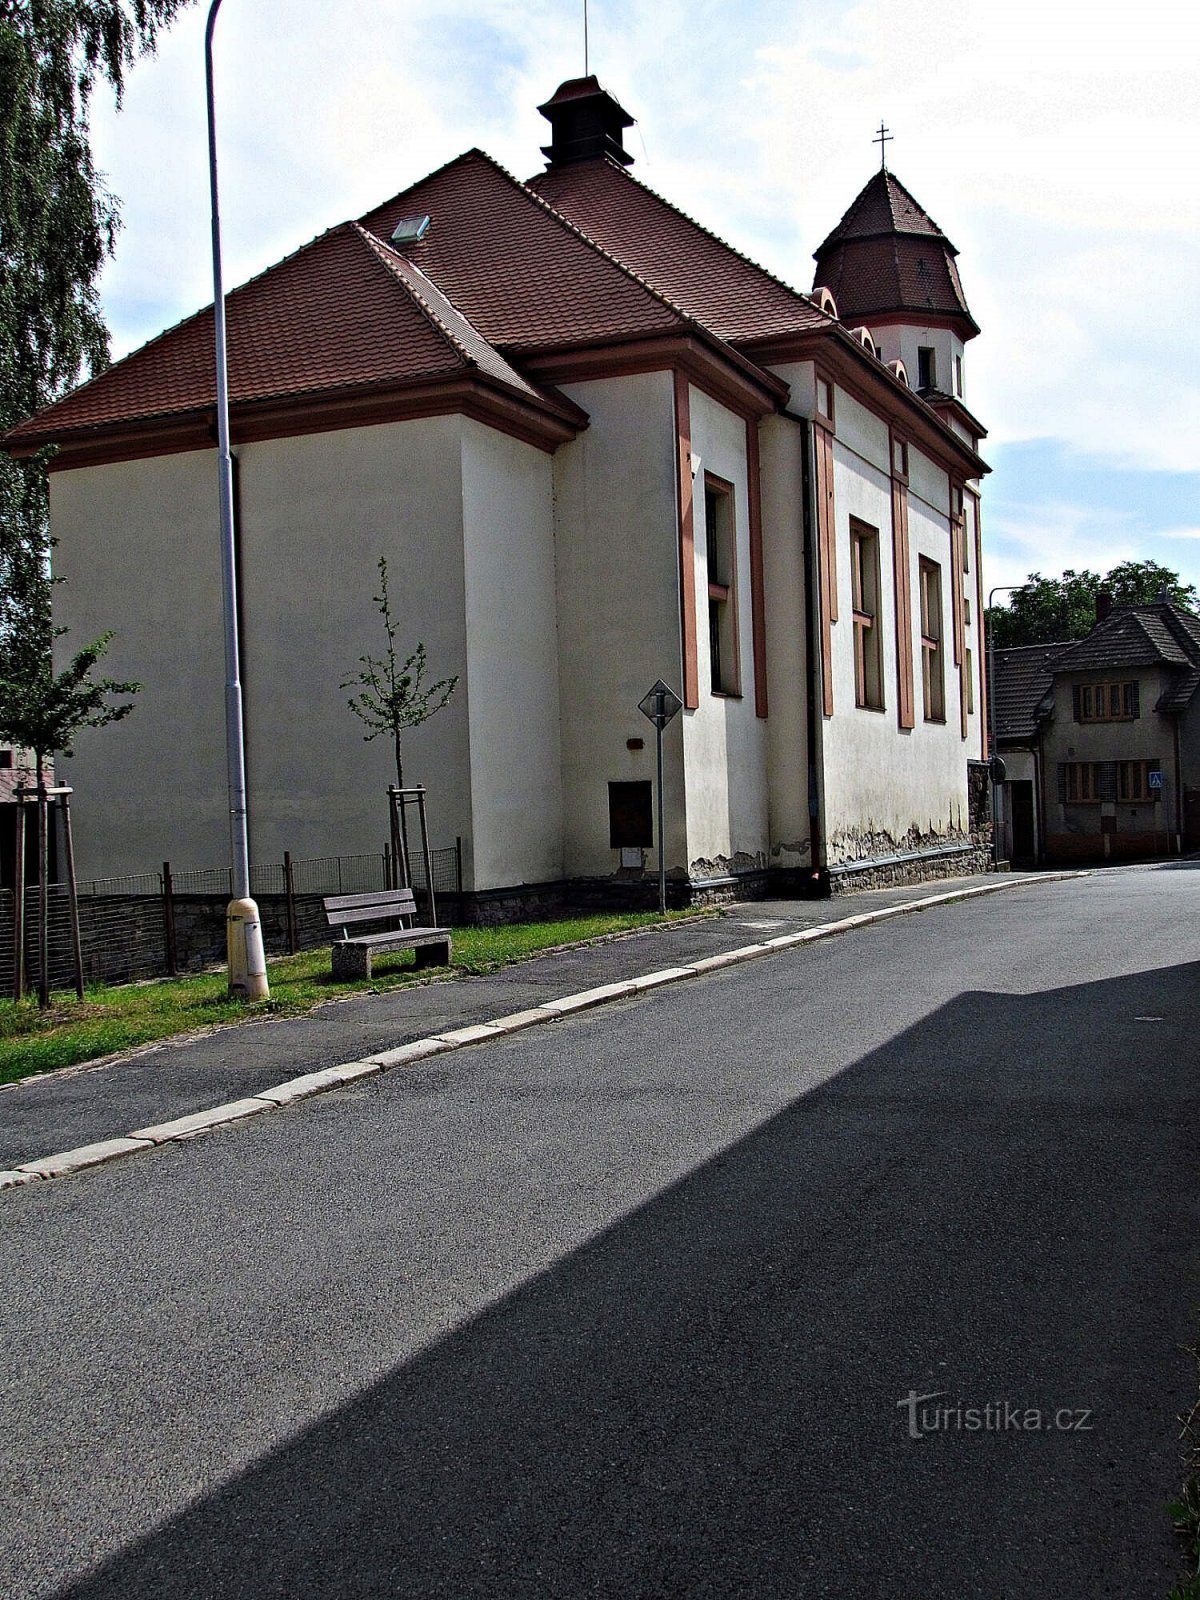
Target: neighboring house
18	770
1101	740
598	447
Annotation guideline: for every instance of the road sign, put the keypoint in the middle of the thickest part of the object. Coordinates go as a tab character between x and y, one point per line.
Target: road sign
1155	778
661	705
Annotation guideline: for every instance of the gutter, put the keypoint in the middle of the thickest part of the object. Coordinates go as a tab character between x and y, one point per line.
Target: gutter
818	875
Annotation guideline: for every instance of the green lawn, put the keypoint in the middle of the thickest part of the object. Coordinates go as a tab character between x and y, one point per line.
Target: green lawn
111	1019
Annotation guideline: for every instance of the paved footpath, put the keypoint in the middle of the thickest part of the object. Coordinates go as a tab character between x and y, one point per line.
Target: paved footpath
84	1105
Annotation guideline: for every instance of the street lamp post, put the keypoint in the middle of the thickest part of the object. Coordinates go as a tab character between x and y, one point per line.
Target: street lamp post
244	942
1001	588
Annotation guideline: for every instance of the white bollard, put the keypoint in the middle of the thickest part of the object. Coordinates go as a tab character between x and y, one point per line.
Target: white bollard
247	959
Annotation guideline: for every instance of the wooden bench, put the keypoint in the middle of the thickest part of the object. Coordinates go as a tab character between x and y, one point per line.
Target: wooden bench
352	952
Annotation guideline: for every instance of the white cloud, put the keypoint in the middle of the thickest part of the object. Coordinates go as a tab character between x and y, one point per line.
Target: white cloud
1054	146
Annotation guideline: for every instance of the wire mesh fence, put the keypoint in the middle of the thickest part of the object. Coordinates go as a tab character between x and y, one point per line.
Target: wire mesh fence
151	924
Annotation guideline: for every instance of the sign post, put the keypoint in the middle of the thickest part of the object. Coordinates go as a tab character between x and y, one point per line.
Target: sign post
661	705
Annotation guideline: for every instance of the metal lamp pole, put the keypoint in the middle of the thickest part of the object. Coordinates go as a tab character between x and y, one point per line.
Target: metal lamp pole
1001	588
247	962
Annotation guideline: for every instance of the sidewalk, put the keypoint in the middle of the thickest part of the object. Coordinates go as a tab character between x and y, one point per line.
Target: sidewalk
82	1105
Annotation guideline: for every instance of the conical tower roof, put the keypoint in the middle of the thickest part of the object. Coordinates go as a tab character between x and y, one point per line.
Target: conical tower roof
887	255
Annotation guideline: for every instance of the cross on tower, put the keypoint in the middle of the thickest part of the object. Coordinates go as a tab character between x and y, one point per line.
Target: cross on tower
883	138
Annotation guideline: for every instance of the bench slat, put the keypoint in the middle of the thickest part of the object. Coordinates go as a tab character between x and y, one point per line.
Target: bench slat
377	897
339	919
401	937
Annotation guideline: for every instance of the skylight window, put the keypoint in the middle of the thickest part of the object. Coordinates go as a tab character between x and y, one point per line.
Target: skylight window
410	230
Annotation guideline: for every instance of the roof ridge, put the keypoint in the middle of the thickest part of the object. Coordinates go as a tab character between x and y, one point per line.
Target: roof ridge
572	227
376	245
800	294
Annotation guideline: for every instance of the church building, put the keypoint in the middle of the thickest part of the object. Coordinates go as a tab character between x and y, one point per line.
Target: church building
598	447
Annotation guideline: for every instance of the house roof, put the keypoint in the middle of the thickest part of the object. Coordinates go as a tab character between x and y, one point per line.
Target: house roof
508	280
1133	636
1019	687
888	255
346	311
526	276
697	271
1161	634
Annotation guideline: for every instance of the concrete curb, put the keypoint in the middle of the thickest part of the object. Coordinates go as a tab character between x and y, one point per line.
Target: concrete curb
293	1090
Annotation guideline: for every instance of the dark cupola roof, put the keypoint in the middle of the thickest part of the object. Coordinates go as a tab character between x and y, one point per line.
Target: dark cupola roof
586	121
887	255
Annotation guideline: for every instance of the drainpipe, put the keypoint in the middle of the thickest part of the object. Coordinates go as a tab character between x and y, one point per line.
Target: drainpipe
1178	789
818	884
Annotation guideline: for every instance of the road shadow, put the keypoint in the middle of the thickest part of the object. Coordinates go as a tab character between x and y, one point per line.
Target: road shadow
706	1400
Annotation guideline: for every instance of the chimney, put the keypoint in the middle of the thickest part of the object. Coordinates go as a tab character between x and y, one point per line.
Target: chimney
586	122
1104	605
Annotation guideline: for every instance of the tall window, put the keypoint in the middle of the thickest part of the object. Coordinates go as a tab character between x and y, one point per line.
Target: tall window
926	367
864	581
958	387
719	533
932	665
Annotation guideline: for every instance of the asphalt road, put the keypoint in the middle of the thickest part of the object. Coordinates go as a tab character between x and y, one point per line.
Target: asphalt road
631	1306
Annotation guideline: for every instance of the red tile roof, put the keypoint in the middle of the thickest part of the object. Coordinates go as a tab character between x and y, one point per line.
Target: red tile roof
887	254
585	256
698	272
883	205
525	276
343	312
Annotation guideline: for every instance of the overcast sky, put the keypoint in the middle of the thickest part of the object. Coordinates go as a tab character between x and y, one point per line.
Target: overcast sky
1053	142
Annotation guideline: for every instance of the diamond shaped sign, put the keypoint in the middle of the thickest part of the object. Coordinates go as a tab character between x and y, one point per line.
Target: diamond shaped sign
661	705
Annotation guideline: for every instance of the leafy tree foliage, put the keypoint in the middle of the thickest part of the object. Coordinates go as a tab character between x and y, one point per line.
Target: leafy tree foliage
42	711
57	225
1047	610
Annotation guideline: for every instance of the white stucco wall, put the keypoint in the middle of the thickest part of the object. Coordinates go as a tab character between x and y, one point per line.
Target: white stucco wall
138	545
512	660
138	551
888	787
725	742
617	559
317	512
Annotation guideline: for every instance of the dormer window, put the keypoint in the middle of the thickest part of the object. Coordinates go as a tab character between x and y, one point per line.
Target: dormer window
926	367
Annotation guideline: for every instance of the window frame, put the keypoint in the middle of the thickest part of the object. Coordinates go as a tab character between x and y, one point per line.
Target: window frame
724	643
933	663
864	599
1142	767
1075	771
1128	699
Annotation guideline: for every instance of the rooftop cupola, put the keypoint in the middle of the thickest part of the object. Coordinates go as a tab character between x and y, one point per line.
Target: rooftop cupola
888	257
586	122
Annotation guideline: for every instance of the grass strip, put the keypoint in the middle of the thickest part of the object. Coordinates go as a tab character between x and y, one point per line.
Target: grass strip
115	1018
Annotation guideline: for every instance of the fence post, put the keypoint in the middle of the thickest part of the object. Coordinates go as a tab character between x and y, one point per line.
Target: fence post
73	893
289	889
458	863
19	904
168	889
430	903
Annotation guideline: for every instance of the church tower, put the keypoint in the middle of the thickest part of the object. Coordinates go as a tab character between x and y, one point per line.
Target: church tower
892	270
